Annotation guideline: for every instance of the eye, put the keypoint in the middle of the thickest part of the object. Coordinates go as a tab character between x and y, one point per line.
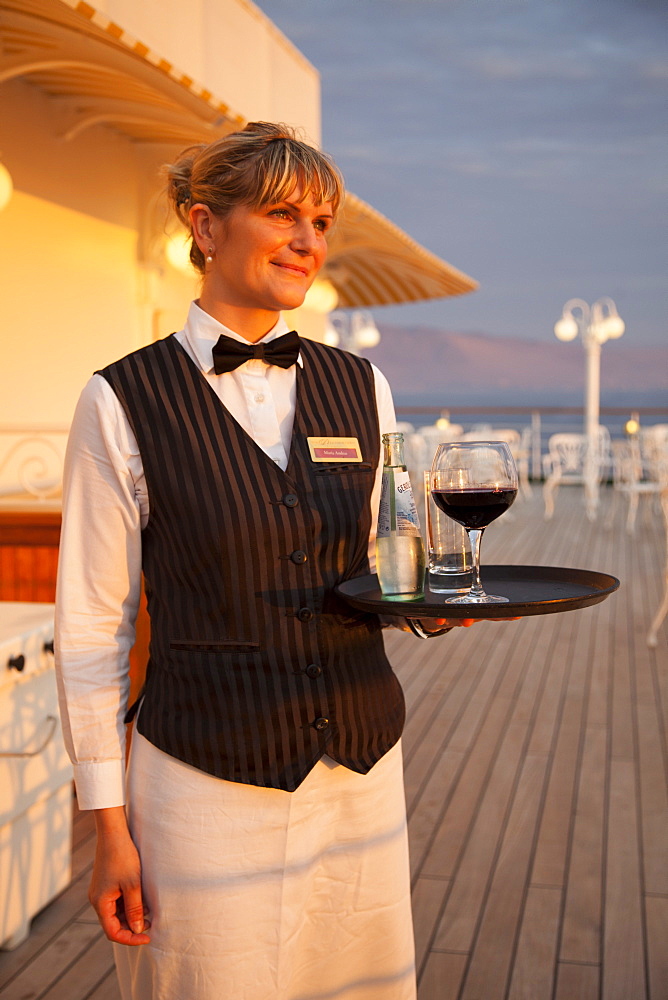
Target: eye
280	213
322	225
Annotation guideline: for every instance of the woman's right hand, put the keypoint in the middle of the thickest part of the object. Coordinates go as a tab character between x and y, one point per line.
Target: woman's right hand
115	888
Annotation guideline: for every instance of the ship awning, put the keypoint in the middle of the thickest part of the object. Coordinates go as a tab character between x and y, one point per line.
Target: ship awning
97	74
373	262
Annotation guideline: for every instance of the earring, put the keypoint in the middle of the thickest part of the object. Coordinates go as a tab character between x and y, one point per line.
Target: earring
209	259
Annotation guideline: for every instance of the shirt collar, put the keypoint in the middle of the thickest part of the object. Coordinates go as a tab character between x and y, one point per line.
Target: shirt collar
202	331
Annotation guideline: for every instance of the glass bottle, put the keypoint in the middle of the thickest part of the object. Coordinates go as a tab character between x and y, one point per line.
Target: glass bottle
400	561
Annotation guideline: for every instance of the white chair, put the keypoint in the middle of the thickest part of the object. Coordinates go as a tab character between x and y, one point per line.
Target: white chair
433	436
653	443
654	449
487	433
522	455
420	448
441	435
520	447
569	460
417	459
633	478
478	432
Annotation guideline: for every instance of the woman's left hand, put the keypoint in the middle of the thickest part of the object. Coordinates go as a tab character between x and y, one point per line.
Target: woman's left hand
437	626
464	622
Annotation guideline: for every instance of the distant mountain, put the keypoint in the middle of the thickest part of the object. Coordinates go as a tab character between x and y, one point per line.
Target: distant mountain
425	361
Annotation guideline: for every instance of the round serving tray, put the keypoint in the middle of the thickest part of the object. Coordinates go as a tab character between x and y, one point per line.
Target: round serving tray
531	590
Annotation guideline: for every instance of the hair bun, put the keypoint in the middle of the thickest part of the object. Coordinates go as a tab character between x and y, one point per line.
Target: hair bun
270	131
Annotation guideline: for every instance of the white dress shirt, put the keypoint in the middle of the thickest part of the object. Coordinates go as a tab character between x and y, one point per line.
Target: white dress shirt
105	506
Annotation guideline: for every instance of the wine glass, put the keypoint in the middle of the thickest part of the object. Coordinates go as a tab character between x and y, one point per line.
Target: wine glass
474	482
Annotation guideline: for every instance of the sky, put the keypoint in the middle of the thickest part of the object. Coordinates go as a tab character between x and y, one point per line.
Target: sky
523	141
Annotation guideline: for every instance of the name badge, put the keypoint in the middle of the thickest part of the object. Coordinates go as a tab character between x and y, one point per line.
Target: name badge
331	449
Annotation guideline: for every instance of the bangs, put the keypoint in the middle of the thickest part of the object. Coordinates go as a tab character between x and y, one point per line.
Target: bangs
286	165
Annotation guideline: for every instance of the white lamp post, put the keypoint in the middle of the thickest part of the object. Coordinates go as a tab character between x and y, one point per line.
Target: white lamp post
352	331
595	324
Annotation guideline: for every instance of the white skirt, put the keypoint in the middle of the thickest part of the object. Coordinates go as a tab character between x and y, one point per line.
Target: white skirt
256	893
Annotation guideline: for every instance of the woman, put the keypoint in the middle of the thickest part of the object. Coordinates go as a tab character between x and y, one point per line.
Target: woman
264	850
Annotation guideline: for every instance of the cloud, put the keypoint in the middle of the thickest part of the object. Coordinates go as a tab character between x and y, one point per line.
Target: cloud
499	65
655	69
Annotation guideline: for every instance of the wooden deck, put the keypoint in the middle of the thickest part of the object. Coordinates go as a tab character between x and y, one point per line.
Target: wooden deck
536	784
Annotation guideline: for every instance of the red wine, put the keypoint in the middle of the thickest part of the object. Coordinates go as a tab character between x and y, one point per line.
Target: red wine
474	508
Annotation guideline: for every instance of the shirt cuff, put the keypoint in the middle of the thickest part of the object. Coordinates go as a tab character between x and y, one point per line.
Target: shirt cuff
100	785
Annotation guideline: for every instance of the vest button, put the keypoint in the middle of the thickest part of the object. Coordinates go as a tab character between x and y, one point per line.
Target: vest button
320	724
298	557
313	671
290	500
305	614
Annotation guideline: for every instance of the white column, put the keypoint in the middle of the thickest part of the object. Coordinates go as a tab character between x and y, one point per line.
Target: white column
592	401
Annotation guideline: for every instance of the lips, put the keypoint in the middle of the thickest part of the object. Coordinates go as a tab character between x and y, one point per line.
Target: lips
294	268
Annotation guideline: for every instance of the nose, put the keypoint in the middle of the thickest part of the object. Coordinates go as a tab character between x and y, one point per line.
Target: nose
304	238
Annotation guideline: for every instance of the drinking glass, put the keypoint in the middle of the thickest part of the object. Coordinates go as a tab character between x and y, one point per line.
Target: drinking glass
448	551
474	482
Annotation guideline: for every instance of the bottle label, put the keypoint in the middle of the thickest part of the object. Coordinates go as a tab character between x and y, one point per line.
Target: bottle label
398	513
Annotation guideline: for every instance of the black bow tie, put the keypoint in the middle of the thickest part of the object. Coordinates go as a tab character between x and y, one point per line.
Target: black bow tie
228	354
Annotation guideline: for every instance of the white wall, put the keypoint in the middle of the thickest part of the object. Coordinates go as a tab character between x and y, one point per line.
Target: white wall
69	306
95	173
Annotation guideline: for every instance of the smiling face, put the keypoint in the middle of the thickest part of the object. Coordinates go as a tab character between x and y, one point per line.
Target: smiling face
264	259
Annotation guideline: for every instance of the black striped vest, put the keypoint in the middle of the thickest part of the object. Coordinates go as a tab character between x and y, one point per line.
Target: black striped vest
256	669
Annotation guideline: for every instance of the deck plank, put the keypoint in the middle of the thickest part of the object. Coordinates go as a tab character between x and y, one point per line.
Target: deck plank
442	977
623	947
535	958
558	735
579	982
581	927
107	989
428	896
656	909
423	819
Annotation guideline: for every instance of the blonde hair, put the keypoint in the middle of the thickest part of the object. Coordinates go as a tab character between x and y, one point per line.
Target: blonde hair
262	163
